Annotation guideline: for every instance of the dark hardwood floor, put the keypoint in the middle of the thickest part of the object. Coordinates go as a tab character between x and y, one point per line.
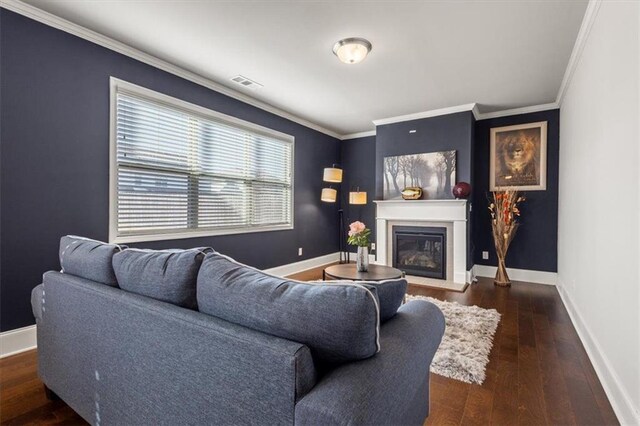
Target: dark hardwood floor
538	372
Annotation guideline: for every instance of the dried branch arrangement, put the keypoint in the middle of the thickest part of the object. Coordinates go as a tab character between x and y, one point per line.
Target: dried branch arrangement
504	223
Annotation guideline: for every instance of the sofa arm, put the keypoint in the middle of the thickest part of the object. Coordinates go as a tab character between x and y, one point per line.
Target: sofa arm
148	362
37	301
391	387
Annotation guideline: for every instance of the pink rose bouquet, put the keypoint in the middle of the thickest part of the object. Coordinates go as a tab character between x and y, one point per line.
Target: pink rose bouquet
359	234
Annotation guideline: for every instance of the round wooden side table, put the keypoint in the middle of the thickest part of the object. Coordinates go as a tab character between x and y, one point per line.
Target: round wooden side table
347	271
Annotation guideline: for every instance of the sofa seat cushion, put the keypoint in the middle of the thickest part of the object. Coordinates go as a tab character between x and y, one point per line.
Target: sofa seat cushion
89	259
167	275
337	322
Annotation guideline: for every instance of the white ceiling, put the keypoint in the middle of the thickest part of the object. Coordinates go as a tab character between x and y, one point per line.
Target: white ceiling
426	54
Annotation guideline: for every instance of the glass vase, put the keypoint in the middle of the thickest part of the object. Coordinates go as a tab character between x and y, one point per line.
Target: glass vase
362	259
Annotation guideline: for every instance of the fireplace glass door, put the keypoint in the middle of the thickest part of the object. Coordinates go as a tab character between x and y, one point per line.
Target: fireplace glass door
420	251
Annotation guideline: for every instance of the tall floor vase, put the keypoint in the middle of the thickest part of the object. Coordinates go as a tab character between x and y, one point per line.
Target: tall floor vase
502	278
504	213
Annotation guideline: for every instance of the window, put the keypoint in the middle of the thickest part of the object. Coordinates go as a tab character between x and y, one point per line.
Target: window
179	170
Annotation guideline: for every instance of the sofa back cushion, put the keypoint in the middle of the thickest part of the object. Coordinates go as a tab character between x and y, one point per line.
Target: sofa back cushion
167	275
89	259
337	322
390	294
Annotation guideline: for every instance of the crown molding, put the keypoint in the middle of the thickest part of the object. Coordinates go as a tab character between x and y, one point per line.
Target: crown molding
516	111
104	41
460	108
426	114
358	135
476	112
109	43
578	47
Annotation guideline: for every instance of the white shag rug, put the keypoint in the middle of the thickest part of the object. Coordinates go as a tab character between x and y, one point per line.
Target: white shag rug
468	337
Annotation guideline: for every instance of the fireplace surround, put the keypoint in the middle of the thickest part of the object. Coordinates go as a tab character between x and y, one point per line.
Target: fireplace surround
450	214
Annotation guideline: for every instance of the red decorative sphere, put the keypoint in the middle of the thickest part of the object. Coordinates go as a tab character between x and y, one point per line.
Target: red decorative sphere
461	190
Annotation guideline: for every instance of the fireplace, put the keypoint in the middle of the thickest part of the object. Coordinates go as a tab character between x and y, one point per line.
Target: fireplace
420	250
449	214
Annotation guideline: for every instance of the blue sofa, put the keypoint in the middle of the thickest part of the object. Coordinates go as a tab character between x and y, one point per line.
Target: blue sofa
117	357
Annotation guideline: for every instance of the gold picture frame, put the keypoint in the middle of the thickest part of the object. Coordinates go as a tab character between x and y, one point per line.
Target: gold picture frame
518	157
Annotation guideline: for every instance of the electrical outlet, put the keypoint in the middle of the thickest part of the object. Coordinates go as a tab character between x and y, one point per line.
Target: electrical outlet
300	251
485	255
373	246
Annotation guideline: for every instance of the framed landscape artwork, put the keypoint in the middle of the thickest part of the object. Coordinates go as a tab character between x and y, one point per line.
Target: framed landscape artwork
434	172
518	157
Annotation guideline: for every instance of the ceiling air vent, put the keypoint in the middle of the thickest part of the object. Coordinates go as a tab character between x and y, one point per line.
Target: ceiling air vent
245	82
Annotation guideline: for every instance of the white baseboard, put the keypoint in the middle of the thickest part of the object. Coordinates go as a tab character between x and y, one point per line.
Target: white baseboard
620	401
303	265
471	275
24	339
13	342
530	276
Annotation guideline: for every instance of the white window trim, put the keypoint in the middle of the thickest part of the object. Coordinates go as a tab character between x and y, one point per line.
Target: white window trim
116	85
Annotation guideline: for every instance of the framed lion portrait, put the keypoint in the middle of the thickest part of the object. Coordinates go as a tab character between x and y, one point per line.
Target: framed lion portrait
518	157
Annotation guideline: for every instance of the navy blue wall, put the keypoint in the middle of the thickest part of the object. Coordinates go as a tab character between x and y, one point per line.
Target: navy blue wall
535	244
441	133
359	168
55	159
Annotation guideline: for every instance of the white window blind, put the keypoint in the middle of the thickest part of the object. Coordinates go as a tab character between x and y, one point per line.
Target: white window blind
184	171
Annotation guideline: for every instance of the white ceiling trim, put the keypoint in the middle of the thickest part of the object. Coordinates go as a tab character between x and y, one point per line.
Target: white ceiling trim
444	111
476	111
358	135
468	107
426	114
97	38
578	47
516	111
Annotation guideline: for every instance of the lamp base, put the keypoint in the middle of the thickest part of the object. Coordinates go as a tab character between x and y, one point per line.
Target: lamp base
344	256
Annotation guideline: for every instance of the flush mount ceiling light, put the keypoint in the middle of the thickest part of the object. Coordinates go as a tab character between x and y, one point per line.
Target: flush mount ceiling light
352	50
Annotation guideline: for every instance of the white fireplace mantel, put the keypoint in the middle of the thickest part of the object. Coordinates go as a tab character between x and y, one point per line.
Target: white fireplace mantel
423	212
